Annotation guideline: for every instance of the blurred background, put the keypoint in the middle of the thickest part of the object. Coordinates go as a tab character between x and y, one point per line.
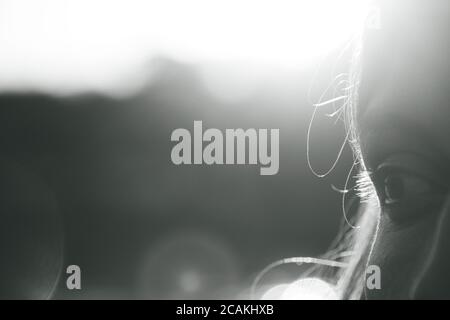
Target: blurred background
90	92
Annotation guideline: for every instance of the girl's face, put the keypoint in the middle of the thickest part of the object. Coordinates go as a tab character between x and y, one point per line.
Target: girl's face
405	139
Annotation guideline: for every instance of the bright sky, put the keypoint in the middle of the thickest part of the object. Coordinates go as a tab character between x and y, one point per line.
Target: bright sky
100	44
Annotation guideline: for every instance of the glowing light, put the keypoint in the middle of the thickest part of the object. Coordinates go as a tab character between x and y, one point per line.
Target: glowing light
95	43
275	293
303	289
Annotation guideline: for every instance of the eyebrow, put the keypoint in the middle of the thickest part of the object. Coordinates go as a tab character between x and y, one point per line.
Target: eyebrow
383	134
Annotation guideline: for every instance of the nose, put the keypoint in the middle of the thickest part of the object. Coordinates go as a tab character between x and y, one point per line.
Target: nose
433	280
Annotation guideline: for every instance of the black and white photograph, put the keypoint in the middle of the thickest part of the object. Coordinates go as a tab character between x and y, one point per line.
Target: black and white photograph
224	155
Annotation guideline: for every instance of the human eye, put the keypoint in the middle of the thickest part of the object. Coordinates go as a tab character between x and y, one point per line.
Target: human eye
407	188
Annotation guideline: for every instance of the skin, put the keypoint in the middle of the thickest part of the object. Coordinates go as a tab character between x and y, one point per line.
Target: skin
404	131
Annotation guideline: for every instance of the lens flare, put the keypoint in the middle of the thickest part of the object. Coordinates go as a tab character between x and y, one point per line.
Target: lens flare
303	289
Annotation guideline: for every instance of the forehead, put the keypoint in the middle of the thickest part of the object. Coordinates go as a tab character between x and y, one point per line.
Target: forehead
404	95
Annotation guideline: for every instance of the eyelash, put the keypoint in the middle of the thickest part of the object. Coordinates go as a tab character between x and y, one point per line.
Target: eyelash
365	188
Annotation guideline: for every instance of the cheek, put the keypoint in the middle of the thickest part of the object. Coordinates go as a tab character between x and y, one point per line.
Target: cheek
399	253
